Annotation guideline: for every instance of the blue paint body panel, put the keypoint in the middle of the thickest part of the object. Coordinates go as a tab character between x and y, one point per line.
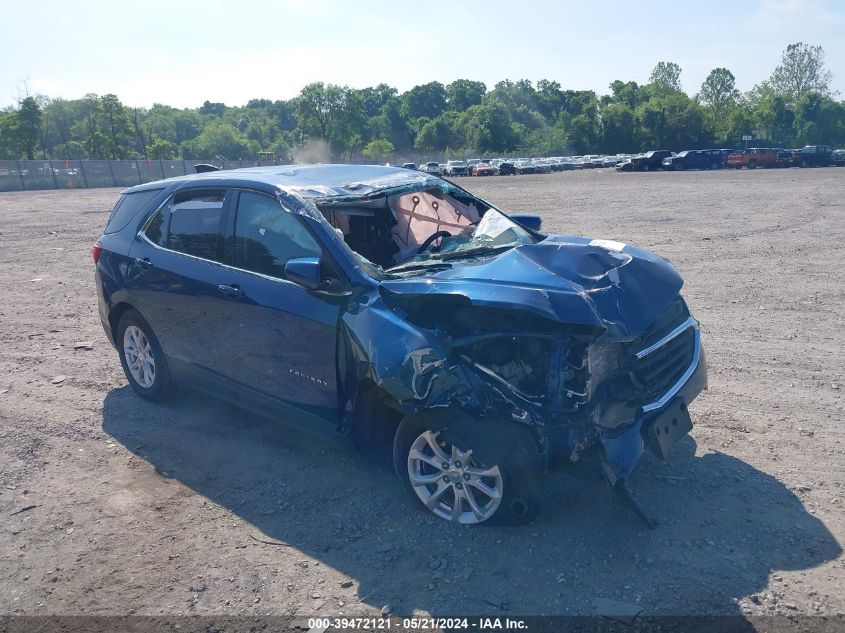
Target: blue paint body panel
278	346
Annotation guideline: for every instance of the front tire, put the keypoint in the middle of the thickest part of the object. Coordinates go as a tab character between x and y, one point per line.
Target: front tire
446	473
142	358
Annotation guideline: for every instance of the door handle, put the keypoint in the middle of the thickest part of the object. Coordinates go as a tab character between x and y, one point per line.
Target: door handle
144	263
234	291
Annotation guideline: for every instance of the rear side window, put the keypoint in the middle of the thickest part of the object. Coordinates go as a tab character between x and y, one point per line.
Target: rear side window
190	223
127	207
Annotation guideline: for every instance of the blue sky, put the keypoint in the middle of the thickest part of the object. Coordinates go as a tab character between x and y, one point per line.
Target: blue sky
184	52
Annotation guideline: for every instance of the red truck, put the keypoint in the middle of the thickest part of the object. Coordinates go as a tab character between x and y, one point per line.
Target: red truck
753	157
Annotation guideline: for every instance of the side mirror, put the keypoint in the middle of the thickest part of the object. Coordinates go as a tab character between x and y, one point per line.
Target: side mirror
304	271
532	222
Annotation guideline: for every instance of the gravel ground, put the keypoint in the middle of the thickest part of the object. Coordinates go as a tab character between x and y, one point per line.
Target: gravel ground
113	505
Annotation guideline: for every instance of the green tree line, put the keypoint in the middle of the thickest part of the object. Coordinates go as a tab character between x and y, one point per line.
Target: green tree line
794	106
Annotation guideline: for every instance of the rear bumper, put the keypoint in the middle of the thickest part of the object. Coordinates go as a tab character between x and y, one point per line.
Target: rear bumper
102	305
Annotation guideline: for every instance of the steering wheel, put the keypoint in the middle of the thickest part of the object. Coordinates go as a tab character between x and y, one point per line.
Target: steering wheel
431	238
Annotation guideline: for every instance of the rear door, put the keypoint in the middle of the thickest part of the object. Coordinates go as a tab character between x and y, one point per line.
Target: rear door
176	262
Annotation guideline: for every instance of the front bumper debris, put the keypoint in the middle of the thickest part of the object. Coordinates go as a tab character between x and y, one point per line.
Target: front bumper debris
624	449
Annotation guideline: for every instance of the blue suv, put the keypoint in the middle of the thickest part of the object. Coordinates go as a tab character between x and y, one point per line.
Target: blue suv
384	303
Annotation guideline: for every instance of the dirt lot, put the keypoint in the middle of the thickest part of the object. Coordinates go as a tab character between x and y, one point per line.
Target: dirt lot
110	504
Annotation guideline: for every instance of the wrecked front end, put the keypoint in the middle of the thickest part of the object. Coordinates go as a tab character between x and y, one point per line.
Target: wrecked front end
578	389
583	345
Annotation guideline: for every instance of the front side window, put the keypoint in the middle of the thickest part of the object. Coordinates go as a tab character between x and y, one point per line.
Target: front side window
190	223
267	236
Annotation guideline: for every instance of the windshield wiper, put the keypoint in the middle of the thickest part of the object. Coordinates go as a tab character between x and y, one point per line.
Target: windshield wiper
417	266
475	251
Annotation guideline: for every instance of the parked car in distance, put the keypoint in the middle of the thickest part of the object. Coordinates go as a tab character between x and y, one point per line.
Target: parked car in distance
456	168
481	169
837	156
409	166
472	161
814	156
610	161
431	168
785	158
542	166
649	161
589	161
505	168
372	302
753	157
696	159
523	166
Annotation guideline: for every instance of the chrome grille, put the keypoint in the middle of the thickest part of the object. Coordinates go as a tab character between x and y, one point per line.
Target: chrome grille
648	371
654	373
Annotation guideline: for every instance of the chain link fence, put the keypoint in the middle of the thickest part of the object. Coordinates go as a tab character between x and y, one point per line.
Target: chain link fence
29	175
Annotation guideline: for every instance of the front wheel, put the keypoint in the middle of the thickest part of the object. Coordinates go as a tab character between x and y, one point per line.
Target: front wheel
449	476
142	358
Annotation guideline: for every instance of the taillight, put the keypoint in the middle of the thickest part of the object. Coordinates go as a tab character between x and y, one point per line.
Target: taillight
96	251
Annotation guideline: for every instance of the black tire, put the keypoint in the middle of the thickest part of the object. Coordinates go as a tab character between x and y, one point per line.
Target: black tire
752	164
646	168
162	384
519	467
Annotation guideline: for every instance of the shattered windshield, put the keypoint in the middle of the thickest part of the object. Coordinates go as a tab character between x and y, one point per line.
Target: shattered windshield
420	227
492	233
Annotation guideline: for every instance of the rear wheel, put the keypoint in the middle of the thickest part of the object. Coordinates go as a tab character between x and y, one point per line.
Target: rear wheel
142	358
752	164
451	478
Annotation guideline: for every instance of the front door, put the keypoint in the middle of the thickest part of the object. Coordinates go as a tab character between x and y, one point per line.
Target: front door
285	335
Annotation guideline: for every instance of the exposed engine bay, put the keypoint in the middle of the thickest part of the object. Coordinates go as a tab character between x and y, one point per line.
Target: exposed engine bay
538	361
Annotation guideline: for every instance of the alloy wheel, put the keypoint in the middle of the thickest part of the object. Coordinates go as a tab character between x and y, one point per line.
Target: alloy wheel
139	356
451	482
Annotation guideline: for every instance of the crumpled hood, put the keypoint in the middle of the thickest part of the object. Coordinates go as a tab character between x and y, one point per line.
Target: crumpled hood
573	280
